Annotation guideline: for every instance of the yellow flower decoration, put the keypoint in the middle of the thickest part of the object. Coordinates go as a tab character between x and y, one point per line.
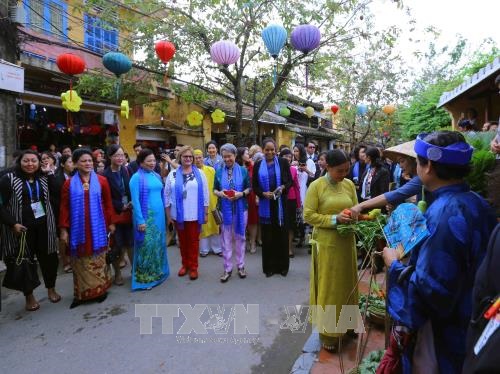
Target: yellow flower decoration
218	116
194	119
71	102
124	109
309	111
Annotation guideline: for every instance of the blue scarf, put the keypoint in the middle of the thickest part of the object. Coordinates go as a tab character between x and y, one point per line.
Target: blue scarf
77	208
265	204
143	200
179	197
233	207
355	170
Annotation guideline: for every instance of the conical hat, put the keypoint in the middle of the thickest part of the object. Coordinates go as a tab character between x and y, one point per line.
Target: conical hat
404	149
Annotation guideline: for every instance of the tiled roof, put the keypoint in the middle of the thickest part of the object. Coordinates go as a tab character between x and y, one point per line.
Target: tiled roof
477	78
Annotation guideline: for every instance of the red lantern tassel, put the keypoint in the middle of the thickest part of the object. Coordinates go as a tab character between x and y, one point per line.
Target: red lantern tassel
165	77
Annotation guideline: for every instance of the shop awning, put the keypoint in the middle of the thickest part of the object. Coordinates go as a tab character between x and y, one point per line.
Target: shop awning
319	133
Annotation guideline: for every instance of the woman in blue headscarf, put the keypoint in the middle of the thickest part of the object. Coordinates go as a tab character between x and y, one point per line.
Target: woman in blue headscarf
271	180
150	264
432	294
85	218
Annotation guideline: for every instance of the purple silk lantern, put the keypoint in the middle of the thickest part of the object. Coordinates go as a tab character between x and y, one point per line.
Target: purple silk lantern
305	38
224	52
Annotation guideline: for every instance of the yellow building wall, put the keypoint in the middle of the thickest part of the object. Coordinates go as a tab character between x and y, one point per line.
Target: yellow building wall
176	112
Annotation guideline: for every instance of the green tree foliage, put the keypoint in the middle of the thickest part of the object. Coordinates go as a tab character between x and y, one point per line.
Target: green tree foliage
421	113
195	25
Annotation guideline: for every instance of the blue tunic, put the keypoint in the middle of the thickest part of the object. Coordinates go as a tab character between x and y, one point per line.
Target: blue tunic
150	264
440	289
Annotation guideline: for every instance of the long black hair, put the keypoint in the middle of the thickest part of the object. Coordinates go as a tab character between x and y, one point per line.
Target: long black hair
375	157
18	168
336	157
302	153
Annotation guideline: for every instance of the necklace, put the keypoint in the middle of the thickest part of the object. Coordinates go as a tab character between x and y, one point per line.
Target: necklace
85	184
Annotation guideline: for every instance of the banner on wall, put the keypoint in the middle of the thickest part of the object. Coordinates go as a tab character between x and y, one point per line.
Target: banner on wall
11	77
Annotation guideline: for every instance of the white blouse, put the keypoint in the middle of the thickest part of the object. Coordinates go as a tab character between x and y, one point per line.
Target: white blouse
190	196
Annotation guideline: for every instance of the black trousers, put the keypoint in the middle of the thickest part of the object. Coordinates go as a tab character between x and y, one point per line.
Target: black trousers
37	243
274	248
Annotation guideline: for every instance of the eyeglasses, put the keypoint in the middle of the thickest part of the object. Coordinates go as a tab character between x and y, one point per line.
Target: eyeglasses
187	157
312	146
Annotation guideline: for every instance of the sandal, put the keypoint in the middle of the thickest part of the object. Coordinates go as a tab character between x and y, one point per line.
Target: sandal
56	299
32	308
67	269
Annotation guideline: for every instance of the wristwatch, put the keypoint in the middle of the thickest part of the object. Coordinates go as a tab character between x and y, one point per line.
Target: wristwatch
244	194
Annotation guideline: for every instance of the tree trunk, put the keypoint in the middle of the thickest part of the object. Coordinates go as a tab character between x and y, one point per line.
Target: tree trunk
8	52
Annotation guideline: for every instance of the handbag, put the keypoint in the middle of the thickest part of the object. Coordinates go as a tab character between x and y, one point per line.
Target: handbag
113	253
217	216
124	218
22	271
299	216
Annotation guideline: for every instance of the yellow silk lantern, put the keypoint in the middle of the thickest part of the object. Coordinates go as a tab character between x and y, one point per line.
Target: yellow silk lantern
389	109
194	119
71	101
218	116
124	109
309	111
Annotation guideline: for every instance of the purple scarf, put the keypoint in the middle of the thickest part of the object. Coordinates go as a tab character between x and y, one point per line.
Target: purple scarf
77	209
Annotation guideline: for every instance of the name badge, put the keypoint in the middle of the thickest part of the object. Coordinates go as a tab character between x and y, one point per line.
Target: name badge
490	328
125	200
38	209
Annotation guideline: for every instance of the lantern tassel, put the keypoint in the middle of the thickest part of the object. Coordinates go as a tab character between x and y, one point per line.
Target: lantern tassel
307	76
70	88
275	74
165	77
118	86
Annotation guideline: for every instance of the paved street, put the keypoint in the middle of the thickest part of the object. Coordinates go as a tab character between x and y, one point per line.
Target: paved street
105	338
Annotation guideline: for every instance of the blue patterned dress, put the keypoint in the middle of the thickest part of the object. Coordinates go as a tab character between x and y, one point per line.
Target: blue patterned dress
150	264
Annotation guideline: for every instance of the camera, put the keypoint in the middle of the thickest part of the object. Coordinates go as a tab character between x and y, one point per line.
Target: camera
168	152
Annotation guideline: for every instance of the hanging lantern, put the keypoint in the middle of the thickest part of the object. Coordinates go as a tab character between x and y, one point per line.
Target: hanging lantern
334	108
224	53
165	50
124	109
71	101
218	116
194	119
362	109
309	111
274	37
118	64
389	109
305	38
70	64
284	111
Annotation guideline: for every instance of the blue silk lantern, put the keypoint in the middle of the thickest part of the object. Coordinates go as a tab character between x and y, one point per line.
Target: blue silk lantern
362	109
305	38
118	64
274	37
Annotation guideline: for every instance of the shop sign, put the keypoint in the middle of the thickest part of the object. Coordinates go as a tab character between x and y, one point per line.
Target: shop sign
11	77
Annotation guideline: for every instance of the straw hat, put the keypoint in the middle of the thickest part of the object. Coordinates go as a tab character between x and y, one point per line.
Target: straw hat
405	149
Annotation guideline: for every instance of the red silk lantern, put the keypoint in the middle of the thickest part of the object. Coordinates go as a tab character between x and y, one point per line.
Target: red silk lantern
70	64
335	108
165	50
